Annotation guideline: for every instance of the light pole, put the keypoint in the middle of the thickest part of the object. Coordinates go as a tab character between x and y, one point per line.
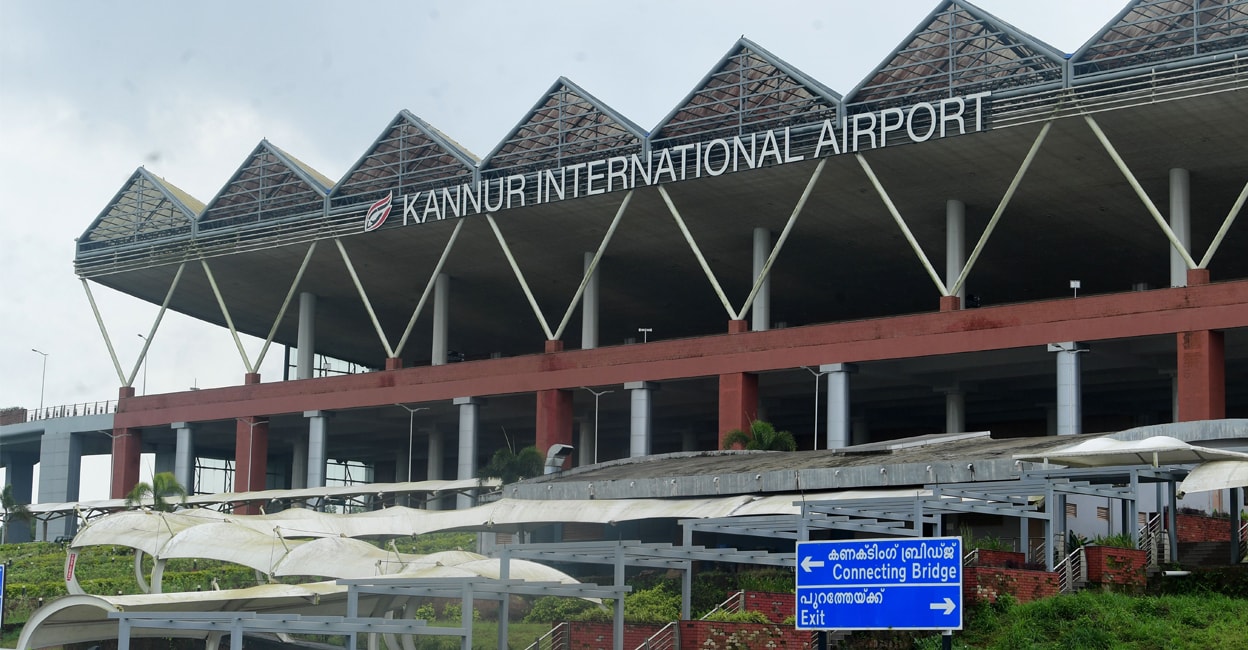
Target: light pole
43	377
817	375
411	428
147	348
645	333
596	395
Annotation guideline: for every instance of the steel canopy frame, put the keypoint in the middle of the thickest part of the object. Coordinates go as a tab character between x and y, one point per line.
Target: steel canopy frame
1154	33
409	156
959	49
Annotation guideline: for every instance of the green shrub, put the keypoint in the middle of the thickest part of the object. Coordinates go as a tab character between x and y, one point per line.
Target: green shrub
454	611
720	616
1121	540
425	612
771	581
553	609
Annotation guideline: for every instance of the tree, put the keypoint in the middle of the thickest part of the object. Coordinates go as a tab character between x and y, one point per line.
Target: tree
762	436
509	466
163	485
13	511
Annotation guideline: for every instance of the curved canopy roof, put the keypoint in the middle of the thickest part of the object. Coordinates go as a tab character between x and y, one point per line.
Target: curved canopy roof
1216	475
1157	450
187	533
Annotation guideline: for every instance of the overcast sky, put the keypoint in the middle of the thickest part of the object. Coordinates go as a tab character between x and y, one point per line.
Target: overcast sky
91	90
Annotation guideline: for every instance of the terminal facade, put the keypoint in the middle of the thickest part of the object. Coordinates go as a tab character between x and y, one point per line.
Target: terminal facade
986	234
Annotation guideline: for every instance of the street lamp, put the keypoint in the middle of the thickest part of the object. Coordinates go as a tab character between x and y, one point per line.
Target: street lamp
411	428
645	333
43	377
596	395
146	347
817	376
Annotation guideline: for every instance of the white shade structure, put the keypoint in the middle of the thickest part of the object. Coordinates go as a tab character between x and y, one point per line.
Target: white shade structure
1156	451
1217	475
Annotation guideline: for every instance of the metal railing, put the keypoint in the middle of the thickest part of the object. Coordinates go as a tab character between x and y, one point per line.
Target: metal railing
103	407
555	639
1243	540
1037	550
1072	572
1153	540
667	638
735	602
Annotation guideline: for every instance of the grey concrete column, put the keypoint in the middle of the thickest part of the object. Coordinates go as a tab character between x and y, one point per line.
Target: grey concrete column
165	459
299	463
305	344
469	427
1180	223
639	425
760	312
955	244
318	433
1069	393
838	403
433	467
20	473
585	442
441	317
184	455
955	410
589	309
60	472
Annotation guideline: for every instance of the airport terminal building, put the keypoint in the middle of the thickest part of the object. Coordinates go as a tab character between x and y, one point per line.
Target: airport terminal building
985	234
934	280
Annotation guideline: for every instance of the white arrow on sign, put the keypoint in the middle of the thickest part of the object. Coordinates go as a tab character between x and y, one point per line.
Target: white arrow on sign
948	606
808	562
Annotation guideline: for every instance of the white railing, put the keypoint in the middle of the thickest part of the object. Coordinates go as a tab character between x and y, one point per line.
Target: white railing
555	639
102	407
1037	551
735	602
1153	540
1071	572
1243	540
667	638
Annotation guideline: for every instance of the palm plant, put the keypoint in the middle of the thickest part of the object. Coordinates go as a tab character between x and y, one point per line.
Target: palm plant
509	466
163	485
762	436
13	511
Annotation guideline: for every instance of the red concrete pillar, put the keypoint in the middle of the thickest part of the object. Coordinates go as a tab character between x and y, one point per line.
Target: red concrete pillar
738	402
251	452
1202	376
554	420
738	326
950	303
127	448
395	363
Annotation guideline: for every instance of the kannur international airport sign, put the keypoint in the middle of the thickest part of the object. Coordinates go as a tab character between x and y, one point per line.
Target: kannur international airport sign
880	584
854	133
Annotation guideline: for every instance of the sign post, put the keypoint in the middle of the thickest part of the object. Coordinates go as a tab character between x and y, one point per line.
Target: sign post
880	584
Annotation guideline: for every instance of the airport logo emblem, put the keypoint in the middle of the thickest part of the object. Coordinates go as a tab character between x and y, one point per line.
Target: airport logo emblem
378	212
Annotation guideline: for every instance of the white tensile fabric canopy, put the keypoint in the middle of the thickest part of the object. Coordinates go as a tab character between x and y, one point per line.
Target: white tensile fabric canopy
1217	475
1156	451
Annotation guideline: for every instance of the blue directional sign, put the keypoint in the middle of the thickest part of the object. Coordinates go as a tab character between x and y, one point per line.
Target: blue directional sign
880	584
